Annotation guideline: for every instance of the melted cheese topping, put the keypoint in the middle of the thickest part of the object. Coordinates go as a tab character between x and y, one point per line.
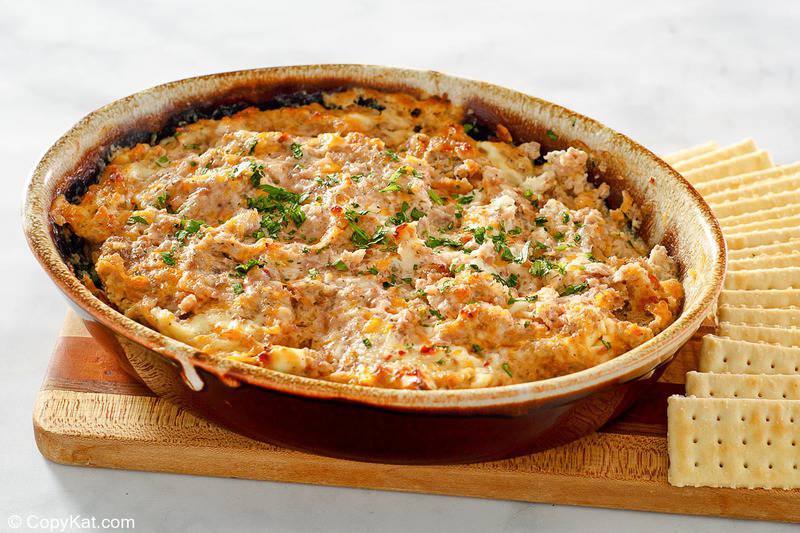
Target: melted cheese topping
367	238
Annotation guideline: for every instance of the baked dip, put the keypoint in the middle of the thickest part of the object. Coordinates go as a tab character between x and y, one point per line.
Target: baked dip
372	238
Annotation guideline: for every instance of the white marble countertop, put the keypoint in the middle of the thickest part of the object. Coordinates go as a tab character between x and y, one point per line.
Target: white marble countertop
668	75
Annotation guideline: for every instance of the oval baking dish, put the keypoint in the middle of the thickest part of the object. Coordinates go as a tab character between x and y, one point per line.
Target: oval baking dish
374	424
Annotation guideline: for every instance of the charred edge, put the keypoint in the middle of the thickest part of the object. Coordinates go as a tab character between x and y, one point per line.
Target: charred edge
371	103
76	253
477	129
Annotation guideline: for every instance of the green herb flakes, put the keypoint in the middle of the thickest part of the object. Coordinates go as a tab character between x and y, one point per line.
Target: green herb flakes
297	151
136	219
575	289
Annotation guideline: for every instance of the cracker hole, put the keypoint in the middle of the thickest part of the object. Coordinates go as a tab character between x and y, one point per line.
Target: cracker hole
772	365
717	418
694	440
711	393
794	466
744	442
746	465
743	419
721	465
770	466
760	395
694	417
719	441
724	359
784	395
696	464
735	394
769	442
748	362
767	419
796	368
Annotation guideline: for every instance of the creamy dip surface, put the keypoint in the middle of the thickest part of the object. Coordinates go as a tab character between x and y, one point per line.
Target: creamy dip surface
369	238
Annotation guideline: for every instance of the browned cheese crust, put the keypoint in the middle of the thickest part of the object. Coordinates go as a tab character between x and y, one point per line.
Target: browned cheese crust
371	240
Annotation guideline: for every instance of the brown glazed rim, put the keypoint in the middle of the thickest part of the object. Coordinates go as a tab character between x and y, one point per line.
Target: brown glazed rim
635	363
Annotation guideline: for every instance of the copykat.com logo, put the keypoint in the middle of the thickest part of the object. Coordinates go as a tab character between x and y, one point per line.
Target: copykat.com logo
67	523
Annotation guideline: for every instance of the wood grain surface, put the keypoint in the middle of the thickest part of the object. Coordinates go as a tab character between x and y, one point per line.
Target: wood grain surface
92	411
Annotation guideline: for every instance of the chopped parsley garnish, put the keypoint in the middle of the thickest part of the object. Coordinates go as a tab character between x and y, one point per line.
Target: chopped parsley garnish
511	281
238	288
258	173
576	237
393	186
339	265
367	342
479	234
540	221
352	215
277	208
162	161
362	239
391	154
313	273
188	227
465	199
373	270
552	135
161	201
565	217
435	198
136	219
506	255
242	269
252	148
435	313
558	236
357	177
297	151
476	348
507	369
575	289
531	198
402	216
540	245
435	242
167	258
540	268
590	256
512	300
605	343
501	247
329	181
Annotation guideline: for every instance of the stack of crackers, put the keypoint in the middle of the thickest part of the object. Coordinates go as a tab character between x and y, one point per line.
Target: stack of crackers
739	423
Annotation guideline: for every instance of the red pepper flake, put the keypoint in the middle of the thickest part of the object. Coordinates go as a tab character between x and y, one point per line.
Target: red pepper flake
426	349
401	352
263	356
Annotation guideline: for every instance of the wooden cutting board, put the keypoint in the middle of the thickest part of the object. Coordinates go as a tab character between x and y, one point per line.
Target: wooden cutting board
92	411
